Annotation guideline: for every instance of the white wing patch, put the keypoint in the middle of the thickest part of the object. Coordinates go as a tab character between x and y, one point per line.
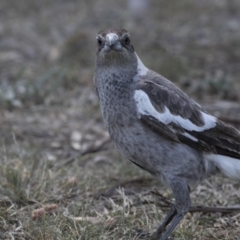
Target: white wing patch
141	69
228	165
145	107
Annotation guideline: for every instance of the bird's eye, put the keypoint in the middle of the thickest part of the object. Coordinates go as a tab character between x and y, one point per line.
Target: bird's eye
99	41
126	40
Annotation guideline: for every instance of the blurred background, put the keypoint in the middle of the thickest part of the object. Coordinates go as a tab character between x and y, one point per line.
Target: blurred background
50	124
194	43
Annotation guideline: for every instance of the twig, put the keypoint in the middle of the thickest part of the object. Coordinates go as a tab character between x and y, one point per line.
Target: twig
97	146
203	209
111	191
165	202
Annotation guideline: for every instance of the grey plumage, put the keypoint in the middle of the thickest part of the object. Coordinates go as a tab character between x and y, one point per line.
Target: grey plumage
157	126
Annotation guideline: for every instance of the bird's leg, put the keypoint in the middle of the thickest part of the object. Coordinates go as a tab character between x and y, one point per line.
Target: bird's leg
183	202
172	226
164	224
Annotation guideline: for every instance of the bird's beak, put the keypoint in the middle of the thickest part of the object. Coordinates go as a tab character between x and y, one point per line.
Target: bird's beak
112	42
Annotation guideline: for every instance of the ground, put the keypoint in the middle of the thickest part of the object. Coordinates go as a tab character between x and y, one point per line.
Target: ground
60	175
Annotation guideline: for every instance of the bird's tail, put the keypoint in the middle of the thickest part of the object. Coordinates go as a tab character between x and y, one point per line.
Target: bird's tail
228	165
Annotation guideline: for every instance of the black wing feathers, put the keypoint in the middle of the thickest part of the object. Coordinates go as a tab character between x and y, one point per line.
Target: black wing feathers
221	139
159	128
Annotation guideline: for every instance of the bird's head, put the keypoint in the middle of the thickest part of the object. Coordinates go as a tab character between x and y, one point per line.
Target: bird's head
114	49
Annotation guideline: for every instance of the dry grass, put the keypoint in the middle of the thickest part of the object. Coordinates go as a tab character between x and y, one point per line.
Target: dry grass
60	176
99	196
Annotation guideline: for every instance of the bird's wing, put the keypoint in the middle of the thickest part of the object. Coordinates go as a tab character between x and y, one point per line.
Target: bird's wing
167	110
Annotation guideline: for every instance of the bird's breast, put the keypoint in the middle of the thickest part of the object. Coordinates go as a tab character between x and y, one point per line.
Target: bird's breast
116	100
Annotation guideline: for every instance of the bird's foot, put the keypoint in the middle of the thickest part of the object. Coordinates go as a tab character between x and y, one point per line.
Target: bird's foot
158	236
141	234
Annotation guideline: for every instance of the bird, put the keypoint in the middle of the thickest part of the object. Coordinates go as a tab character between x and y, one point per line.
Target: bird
158	127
